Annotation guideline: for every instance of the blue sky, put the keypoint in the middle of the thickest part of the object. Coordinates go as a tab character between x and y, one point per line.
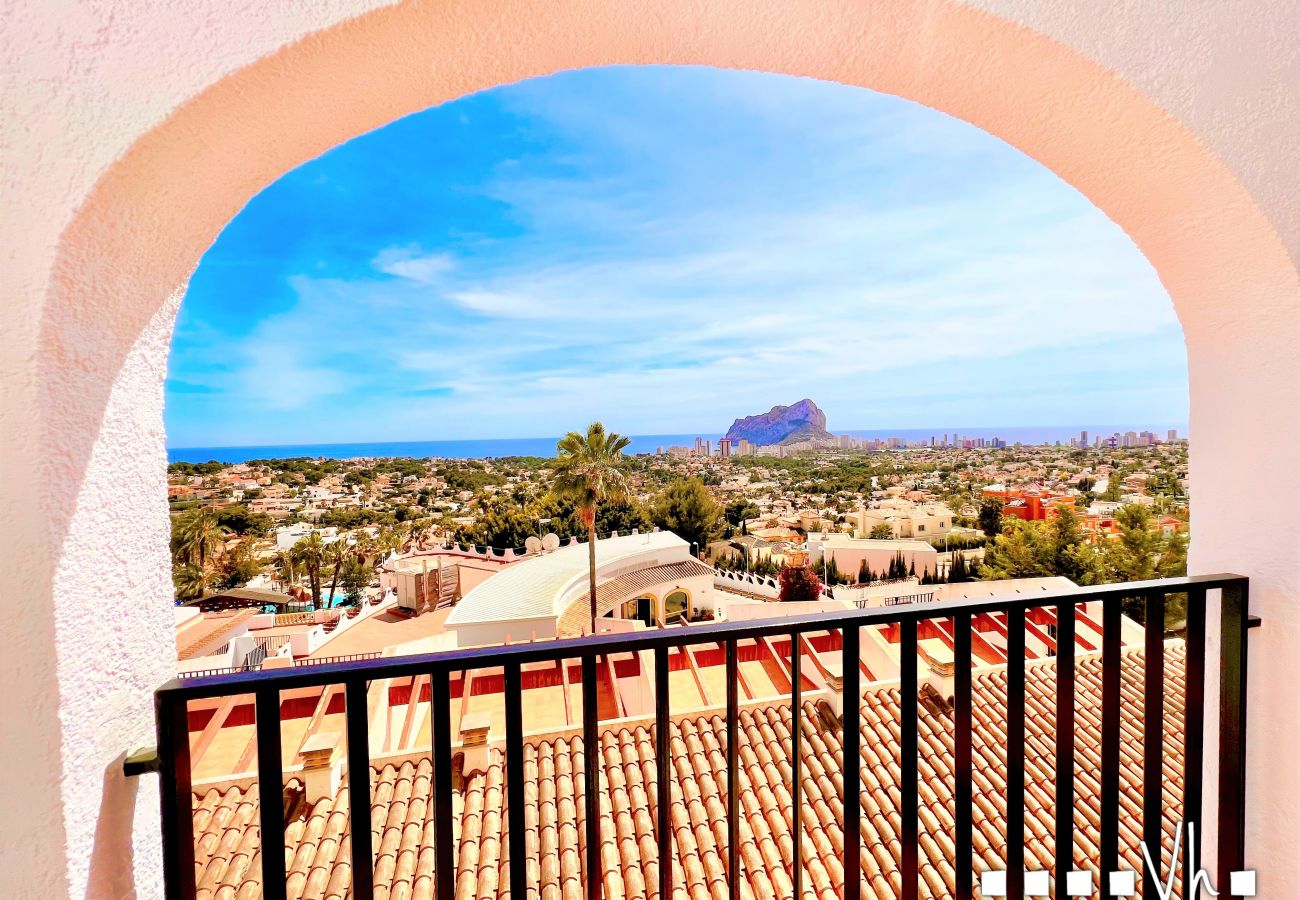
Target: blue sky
667	249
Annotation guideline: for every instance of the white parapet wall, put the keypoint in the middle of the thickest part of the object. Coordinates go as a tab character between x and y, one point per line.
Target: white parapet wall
749	584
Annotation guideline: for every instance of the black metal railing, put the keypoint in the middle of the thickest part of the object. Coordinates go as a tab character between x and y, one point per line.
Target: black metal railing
334	660
174	741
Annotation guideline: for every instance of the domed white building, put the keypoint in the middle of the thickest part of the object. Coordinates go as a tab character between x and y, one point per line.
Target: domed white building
651	578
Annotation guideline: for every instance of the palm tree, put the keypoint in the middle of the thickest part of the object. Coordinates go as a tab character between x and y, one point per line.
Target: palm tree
335	554
199	540
589	472
287	567
390	539
309	554
367	550
188	581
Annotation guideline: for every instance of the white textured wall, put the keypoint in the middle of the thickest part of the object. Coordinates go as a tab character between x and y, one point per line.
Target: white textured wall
134	132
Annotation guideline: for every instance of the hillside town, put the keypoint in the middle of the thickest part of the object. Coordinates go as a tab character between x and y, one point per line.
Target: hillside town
282	564
975	509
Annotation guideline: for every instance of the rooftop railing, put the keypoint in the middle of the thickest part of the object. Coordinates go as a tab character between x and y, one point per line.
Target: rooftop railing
174	737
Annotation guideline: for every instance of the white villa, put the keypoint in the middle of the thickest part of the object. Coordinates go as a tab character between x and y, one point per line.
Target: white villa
650	577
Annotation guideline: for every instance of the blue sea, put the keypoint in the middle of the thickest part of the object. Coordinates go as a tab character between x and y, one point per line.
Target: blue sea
645	443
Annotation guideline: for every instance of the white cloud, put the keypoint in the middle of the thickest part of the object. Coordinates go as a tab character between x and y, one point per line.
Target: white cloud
411	264
500	304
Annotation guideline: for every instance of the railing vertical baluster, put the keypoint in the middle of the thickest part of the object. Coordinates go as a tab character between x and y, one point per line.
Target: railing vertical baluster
1193	733
663	751
270	792
518	836
591	775
1108	849
851	667
171	713
1153	737
444	864
363	863
962	728
733	775
1065	621
796	764
907	758
1232	730
1016	752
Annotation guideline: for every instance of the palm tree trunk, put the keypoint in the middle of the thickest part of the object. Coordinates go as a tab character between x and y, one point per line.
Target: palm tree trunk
591	560
334	582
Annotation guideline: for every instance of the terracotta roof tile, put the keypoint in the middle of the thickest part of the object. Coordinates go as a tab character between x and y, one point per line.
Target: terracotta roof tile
317	837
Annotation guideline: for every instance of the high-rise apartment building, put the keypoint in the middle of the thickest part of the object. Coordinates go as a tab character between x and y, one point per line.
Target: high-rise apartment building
724	448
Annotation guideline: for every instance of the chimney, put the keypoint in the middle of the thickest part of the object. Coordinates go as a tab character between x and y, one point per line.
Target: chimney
321	775
474	728
940	667
835	684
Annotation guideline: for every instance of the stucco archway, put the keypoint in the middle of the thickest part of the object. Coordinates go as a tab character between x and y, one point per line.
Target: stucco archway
124	259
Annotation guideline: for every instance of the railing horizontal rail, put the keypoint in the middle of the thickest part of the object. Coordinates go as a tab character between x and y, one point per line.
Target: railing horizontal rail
318	675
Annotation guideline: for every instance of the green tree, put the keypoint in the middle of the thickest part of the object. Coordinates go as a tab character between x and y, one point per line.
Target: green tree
240	520
1071	555
589	471
960	570
188	581
621	514
990	516
1164	483
688	510
197	539
1141	552
1173	556
239	567
829	571
1022	550
1135	554
1114	485
739	511
501	523
881	532
355	577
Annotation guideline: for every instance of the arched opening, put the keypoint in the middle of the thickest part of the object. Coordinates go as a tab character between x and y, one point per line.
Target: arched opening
125	257
677	607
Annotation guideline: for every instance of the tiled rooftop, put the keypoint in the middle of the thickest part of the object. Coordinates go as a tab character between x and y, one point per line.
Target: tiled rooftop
401	812
208	632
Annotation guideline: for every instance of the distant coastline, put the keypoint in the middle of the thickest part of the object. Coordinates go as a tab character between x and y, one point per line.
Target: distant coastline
648	443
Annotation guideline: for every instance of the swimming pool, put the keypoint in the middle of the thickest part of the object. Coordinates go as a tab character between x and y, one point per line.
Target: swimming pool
327	601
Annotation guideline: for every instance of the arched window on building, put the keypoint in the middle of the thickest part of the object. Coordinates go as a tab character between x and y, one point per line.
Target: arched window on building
677	607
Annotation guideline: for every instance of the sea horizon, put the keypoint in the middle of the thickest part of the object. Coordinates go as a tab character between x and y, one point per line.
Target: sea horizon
496	448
